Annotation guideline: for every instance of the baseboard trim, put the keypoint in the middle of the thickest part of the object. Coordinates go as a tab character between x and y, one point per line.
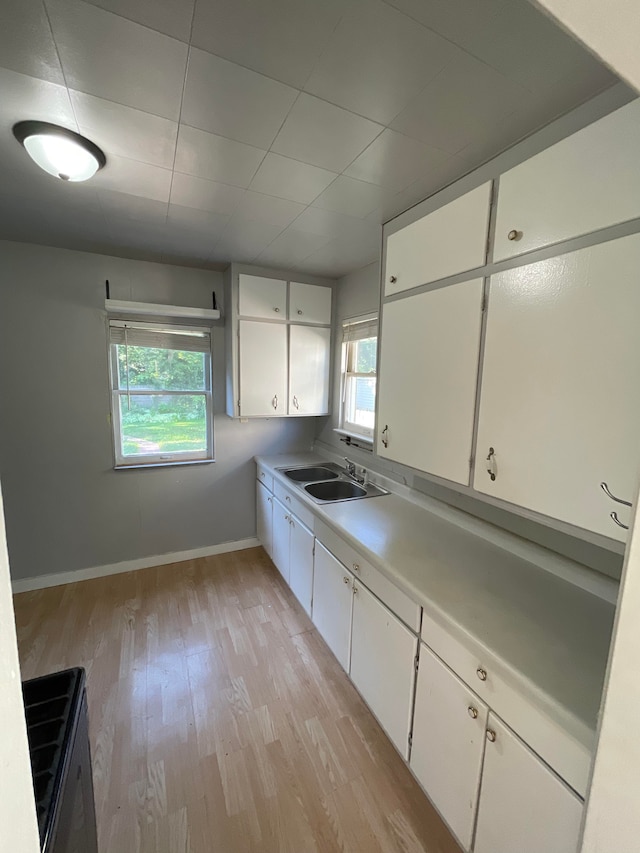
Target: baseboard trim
43	581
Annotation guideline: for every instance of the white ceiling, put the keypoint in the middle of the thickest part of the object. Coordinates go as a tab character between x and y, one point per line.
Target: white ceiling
281	132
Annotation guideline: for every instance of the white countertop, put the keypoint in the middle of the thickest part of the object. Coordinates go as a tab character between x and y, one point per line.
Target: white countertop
550	636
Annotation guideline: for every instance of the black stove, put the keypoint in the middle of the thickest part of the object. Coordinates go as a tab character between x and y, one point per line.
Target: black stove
57	728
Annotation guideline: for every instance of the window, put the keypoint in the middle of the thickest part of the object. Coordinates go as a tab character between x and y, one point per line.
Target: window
160	393
359	351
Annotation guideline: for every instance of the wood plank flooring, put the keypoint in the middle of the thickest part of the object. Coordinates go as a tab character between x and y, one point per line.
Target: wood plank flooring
219	720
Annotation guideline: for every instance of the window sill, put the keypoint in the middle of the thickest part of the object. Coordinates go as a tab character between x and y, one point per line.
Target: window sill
172	464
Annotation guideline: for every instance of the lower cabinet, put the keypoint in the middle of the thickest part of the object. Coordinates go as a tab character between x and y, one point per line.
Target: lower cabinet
264	517
383	654
524	806
301	541
280	540
333	603
448	743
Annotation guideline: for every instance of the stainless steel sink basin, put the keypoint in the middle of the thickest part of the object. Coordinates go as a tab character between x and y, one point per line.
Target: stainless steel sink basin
336	490
311	474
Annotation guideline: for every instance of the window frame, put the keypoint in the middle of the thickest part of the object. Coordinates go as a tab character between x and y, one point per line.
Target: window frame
116	393
348	356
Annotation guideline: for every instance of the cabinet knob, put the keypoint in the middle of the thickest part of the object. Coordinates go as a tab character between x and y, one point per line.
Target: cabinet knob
356	567
481	673
514	235
345	579
355	589
286	518
491	736
262	474
473	712
277	310
393	279
269	500
287	498
299	312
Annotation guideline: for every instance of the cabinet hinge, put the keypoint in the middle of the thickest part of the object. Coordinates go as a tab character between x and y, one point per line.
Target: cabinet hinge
472	459
416	662
410	739
483	305
313	550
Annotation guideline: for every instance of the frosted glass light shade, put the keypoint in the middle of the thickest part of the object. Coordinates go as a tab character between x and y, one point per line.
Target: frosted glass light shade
60	152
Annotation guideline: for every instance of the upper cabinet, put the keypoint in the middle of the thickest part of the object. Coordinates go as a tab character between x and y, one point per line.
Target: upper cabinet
451	240
309	303
560	400
262	298
588	181
428	375
278	346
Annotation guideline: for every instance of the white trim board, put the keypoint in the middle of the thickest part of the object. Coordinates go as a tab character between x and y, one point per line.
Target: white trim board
43	581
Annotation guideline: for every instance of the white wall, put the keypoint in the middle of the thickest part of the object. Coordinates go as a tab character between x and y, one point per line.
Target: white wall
18	827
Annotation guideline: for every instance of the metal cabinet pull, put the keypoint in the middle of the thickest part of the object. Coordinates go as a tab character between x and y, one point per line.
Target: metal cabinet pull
609	494
355	589
299	311
514	235
274	402
393	279
473	712
385	435
614	516
491	736
356	567
491	467
481	673
345	579
295	402
277	310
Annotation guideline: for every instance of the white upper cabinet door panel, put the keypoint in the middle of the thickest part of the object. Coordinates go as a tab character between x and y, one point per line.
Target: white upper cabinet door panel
262	298
263	369
309	303
524	807
448	241
428	377
560	399
448	744
309	360
585	182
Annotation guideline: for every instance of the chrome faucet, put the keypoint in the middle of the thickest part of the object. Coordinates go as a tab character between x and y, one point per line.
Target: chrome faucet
351	471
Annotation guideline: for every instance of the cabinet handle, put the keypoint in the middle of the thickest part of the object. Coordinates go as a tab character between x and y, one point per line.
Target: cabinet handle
385	435
481	673
299	312
356	567
514	235
614	516
291	521
355	589
491	736
262	474
269	500
277	310
491	467
274	402
287	498
610	494
393	279
295	402
345	579
287	517
473	712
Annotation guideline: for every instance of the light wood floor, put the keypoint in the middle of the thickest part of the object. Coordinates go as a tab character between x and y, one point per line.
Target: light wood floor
220	722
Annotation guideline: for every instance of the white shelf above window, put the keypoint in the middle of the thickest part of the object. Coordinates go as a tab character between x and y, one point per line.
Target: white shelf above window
119	306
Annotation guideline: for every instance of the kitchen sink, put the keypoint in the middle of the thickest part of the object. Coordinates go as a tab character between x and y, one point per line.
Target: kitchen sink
337	490
311	474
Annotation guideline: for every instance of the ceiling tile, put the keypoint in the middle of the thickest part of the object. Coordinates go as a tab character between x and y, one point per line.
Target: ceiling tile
268	208
351	197
26	97
244	241
291	248
188	191
138	178
123	206
108	56
232	101
26	42
464	98
125	131
341	255
286	178
281	38
172	17
394	160
331	224
324	135
216	158
202	221
377	60
456	20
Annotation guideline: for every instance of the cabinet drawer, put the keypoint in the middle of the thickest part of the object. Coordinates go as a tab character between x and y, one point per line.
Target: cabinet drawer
588	181
568	756
294	504
396	600
450	240
265	477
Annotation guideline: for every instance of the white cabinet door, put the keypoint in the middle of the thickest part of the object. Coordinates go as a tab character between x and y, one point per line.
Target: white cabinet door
585	182
427	379
309	360
309	303
264	517
448	742
383	653
301	562
263	369
450	240
262	298
332	603
524	806
560	400
281	528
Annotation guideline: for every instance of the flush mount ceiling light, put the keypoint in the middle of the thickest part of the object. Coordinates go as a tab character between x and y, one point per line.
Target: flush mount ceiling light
60	152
